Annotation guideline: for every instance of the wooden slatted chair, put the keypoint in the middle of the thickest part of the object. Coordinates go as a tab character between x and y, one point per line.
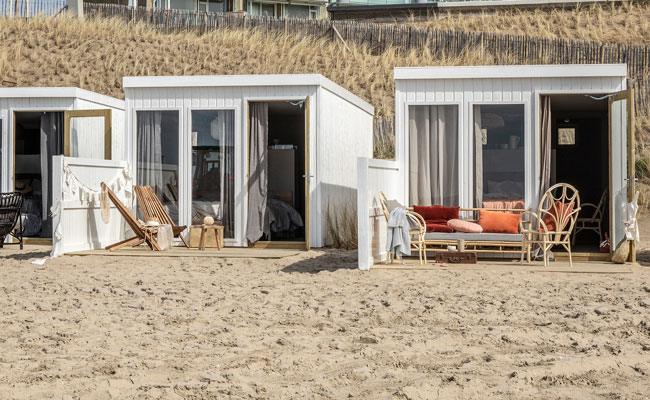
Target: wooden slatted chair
151	208
553	223
143	234
417	234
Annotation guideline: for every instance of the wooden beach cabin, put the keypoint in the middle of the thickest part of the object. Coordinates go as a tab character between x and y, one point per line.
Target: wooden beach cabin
490	124
268	156
38	123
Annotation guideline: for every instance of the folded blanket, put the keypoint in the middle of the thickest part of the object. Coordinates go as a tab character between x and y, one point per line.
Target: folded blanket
398	239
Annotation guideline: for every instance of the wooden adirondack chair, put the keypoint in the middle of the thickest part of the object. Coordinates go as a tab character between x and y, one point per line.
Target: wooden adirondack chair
151	208
143	234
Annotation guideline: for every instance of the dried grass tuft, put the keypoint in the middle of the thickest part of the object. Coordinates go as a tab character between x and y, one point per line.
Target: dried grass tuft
342	227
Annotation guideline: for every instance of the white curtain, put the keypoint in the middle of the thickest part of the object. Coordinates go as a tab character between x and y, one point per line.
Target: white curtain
478	158
258	169
433	155
150	150
545	173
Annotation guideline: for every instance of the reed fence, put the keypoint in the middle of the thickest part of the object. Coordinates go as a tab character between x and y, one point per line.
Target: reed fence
379	37
30	8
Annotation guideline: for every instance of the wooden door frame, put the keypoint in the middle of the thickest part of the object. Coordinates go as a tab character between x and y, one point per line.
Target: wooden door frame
307	224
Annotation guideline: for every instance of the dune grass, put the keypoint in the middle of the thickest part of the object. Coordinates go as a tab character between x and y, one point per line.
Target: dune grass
615	23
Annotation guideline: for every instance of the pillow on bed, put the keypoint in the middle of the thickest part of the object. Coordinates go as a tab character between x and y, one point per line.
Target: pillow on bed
464	226
498	222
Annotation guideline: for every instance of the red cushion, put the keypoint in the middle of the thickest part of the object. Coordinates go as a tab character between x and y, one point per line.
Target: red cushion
437	213
549	221
498	222
431	227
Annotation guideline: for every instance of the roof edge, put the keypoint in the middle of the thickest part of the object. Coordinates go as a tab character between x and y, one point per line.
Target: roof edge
511	71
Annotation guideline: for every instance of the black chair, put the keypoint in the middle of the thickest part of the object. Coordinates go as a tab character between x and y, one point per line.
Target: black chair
10	205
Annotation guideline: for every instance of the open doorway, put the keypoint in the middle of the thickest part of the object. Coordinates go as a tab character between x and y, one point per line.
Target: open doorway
580	157
38	137
283	132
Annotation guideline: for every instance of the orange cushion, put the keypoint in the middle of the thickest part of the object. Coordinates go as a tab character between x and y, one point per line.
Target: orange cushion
549	221
498	222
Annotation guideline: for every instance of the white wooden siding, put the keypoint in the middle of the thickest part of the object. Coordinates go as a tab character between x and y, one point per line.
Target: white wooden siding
345	133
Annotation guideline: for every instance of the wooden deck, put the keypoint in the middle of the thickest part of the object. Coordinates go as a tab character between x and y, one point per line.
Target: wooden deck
226	252
537	266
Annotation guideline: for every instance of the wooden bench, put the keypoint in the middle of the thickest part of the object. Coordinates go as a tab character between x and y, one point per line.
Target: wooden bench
478	242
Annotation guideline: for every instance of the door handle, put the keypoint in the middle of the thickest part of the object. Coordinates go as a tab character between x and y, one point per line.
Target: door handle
310	176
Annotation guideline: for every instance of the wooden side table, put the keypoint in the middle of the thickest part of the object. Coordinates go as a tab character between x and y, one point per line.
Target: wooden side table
218	233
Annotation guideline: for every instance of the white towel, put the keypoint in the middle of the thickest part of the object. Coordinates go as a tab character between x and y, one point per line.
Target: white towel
165	237
398	240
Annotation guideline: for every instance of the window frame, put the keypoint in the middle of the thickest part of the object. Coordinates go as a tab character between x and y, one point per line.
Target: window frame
105	113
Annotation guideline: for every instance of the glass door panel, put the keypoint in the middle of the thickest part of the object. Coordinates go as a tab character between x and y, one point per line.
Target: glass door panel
213	174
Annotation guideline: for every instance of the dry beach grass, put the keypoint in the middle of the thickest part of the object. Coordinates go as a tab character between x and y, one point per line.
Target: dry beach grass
312	326
612	23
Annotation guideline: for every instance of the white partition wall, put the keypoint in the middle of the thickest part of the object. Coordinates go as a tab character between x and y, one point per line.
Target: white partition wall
374	176
77	214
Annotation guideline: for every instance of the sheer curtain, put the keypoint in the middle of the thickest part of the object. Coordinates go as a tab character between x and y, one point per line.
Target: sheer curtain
258	166
545	173
478	158
51	145
433	155
149	150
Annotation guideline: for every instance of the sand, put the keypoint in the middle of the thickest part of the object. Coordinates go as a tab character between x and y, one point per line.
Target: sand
313	326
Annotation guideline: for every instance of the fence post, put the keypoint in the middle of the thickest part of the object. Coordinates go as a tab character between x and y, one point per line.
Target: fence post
75	8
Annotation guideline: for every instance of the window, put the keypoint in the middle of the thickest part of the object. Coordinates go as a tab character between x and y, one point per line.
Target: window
88	134
213	172
157	156
433	155
499	155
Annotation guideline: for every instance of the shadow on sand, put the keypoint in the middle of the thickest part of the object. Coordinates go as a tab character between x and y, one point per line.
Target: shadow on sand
643	258
331	260
18	255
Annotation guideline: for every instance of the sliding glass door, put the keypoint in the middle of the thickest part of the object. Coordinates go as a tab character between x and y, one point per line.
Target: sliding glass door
158	156
213	173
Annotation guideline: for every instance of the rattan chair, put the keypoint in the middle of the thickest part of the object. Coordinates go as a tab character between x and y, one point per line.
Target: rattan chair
553	223
417	235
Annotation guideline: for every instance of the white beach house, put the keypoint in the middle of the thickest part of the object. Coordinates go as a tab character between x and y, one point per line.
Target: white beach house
497	134
266	155
37	123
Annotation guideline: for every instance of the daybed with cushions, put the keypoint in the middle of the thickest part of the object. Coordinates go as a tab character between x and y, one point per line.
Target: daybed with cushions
501	236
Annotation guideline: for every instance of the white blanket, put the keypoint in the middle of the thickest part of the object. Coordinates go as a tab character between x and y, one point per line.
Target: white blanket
398	240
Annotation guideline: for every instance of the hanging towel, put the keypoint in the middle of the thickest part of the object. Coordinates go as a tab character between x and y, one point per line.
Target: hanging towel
628	211
398	239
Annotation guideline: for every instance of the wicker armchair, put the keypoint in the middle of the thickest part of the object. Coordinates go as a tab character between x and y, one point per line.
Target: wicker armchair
417	235
553	223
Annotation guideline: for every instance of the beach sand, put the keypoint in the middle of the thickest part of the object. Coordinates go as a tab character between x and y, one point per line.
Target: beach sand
313	326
